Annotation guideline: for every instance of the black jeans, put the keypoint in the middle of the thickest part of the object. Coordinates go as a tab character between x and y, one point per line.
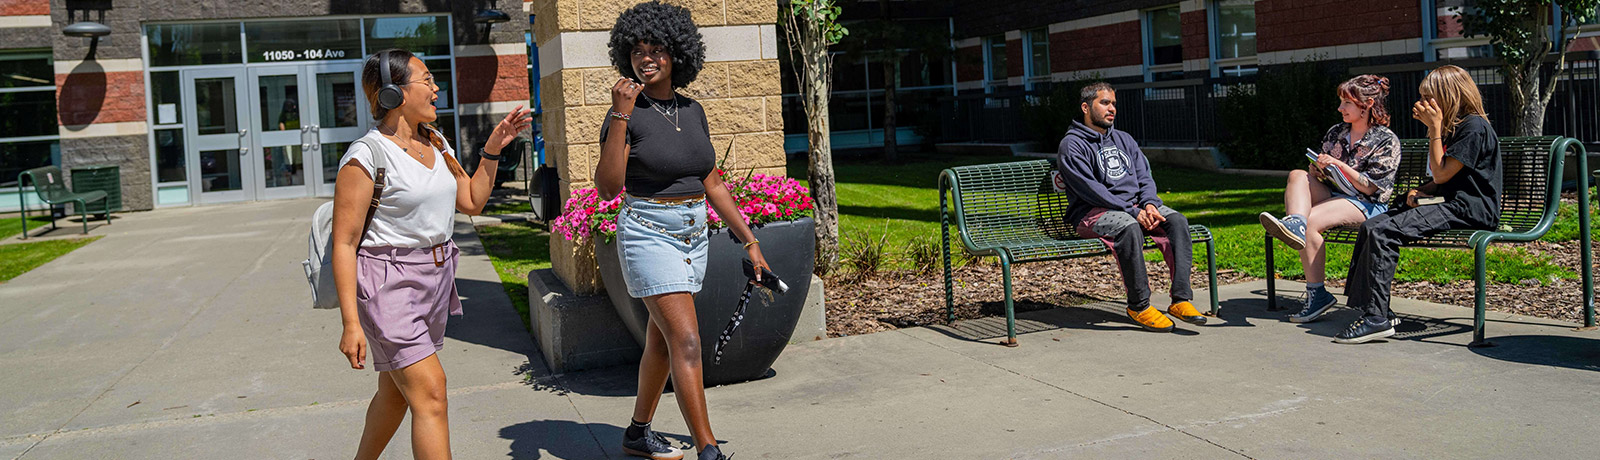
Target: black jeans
1377	252
1126	238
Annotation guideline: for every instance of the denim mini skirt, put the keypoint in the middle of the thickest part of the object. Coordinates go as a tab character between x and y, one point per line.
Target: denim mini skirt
662	245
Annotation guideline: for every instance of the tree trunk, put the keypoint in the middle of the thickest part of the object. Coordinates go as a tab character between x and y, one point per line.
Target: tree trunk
1527	114
814	89
891	85
891	142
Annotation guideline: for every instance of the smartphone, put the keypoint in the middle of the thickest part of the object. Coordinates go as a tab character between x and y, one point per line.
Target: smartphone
769	280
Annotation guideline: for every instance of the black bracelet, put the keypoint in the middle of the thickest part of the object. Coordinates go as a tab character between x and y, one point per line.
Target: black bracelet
489	156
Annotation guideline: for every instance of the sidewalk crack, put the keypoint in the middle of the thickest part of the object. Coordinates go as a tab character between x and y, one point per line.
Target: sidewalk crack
1082	396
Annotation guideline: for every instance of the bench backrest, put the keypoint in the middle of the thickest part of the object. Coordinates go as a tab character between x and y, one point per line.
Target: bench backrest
47	182
1006	202
1530	171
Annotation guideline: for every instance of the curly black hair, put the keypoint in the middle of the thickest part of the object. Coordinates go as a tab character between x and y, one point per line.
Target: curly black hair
659	24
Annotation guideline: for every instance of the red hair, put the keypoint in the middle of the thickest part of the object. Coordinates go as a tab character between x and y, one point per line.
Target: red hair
1363	88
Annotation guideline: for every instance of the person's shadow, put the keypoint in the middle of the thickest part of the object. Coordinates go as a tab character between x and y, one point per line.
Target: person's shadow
573	440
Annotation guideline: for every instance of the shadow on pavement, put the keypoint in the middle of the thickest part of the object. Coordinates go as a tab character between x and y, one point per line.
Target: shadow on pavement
1545	350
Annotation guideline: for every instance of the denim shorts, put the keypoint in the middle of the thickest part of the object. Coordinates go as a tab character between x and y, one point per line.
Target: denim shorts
662	245
1367	208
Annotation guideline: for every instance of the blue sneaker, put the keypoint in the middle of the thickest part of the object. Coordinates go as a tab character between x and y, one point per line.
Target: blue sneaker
1290	230
1318	301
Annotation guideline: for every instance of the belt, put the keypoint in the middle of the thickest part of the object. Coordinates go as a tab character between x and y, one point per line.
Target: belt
438	254
677	200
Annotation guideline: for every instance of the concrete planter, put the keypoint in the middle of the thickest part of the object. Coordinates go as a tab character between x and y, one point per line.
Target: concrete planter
789	246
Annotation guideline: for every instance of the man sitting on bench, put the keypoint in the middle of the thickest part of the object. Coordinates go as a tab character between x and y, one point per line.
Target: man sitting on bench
1114	199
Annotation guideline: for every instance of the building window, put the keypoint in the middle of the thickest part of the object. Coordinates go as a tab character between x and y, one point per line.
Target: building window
1163	40
1449	39
994	56
29	137
1037	42
1164	33
1236	29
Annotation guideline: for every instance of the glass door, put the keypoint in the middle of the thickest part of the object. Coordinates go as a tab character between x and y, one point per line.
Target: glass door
338	114
282	136
218	136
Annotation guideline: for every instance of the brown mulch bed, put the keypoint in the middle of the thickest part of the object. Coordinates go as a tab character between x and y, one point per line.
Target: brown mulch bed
892	300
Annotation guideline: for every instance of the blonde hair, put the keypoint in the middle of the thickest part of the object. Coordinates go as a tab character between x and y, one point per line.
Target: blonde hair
1455	92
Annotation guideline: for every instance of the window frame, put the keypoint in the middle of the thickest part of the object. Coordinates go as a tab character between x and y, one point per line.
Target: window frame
32	53
1147	42
1029	64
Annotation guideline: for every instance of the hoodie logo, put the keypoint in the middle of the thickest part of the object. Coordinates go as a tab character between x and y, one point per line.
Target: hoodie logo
1113	162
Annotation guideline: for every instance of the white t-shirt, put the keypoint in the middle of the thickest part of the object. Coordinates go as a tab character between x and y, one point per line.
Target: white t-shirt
418	206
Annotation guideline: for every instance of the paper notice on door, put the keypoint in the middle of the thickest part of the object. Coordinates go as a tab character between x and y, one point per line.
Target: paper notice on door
166	113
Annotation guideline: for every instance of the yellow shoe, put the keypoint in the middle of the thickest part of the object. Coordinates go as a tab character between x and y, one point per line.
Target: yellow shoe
1151	319
1186	312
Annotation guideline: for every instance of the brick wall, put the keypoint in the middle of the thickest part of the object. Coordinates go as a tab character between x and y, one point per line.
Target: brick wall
24	7
742	101
492	78
1196	42
99	97
1300	24
1111	45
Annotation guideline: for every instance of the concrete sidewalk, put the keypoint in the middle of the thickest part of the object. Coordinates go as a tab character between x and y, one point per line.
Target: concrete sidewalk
184	334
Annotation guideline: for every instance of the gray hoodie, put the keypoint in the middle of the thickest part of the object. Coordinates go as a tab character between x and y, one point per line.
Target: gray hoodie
1104	171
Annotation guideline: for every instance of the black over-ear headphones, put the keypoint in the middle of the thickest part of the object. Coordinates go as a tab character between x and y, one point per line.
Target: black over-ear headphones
389	96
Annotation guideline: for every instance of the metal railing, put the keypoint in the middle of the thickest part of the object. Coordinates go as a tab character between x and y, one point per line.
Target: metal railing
1184	112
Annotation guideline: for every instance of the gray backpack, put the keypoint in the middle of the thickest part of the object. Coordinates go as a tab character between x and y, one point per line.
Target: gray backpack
319	264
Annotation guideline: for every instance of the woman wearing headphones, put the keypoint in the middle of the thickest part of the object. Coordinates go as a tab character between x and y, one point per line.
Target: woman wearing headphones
395	200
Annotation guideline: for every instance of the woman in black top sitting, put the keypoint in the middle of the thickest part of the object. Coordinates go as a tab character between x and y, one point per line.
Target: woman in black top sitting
656	150
1464	161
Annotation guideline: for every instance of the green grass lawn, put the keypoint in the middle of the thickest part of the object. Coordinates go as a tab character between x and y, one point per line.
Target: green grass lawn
517	249
16	259
509	207
902	202
12	226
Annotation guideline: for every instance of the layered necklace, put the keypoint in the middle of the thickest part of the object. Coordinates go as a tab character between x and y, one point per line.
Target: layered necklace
669	113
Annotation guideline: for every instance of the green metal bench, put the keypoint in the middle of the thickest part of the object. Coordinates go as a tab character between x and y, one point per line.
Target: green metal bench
52	190
1531	171
1013	211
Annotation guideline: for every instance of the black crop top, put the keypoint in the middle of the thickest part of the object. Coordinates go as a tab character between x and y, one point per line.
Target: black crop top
664	160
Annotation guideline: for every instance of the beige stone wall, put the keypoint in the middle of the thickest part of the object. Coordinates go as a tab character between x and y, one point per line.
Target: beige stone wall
741	99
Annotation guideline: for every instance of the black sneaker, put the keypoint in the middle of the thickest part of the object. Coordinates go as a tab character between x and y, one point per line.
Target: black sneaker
1363	331
651	445
712	452
1318	301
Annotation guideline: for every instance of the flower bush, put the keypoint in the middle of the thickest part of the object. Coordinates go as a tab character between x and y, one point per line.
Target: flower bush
760	198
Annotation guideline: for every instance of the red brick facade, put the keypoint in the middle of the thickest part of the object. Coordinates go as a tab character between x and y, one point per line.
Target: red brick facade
969	63
94	97
1196	44
1300	24
492	78
1113	45
24	7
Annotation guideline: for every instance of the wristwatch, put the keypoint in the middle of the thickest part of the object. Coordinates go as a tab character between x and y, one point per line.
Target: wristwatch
489	156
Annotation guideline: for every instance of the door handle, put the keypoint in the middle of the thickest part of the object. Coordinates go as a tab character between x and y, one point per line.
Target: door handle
244	147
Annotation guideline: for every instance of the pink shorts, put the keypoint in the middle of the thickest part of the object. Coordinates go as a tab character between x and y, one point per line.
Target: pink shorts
405	297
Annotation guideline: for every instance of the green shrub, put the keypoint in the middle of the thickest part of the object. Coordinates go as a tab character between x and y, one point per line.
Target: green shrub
1270	125
1049	116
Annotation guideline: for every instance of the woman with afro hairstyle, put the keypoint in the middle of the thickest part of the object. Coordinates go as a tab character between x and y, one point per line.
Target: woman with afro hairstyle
1362	149
656	151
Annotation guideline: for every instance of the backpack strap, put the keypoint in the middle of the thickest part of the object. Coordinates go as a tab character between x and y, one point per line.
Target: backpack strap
380	166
